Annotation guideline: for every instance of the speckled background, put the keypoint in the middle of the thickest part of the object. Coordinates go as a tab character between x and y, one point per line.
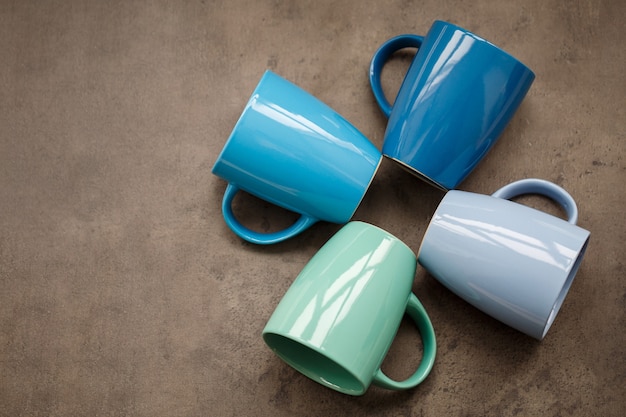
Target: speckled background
122	291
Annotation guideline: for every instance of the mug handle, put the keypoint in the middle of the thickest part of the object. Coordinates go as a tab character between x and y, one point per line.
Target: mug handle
303	223
416	311
541	187
381	56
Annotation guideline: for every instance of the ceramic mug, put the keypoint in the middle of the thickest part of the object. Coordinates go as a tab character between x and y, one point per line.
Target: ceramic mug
292	150
511	261
457	97
338	319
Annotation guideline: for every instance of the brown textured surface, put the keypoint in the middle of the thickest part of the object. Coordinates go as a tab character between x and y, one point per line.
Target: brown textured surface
122	292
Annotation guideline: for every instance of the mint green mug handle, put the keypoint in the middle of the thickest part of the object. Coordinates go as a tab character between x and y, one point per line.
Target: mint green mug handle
416	311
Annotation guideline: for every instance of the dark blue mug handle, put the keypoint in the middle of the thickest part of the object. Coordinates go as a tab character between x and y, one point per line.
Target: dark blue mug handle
381	56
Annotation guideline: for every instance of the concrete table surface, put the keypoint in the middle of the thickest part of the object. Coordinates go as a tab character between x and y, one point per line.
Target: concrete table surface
123	292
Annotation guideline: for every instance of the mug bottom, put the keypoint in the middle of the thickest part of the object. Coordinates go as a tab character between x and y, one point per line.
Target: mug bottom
418	174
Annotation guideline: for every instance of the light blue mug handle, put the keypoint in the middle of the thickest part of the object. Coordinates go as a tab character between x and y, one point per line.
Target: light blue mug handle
381	56
541	187
416	311
303	223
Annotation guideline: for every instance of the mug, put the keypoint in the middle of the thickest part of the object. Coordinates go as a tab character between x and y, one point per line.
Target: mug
292	150
336	322
457	97
511	261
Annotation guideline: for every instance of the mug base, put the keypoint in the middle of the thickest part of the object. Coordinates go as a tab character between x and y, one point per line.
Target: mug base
418	174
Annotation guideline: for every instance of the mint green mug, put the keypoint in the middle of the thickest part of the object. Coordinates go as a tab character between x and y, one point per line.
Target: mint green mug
338	319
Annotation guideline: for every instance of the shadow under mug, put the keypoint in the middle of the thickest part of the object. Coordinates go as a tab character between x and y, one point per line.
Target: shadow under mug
511	261
457	97
338	319
292	150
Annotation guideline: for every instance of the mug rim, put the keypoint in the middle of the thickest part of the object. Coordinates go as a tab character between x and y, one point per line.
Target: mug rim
366	189
569	279
432	219
417	173
306	371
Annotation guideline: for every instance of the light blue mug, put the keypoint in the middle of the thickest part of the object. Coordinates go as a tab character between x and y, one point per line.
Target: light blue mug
292	150
457	97
511	261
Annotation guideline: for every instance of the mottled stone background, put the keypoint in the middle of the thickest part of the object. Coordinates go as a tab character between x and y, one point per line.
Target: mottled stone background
122	291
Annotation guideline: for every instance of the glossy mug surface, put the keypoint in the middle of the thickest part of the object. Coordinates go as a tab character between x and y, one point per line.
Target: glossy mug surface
292	150
338	319
513	262
457	97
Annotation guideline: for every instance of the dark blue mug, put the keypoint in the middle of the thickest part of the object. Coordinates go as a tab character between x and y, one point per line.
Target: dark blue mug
457	97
